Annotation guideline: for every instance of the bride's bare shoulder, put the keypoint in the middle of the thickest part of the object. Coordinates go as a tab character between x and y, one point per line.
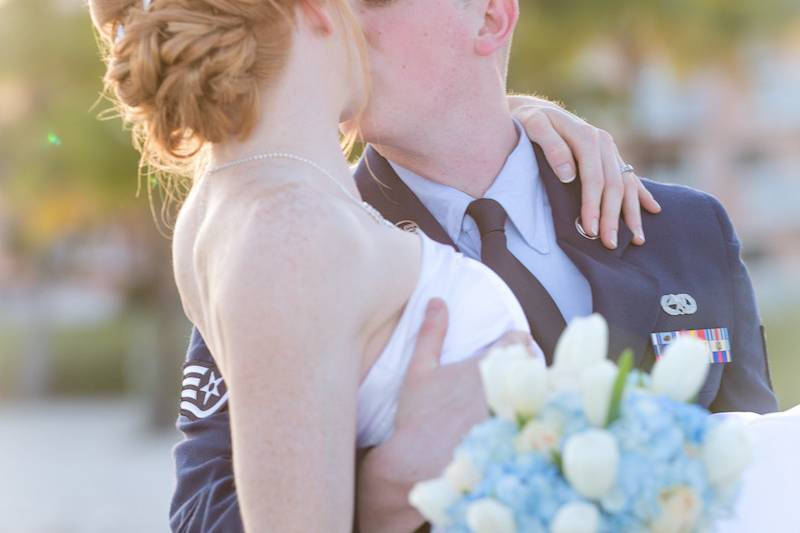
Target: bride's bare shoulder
295	219
290	264
289	243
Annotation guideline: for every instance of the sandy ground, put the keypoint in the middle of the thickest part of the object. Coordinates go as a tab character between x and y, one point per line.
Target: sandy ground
83	466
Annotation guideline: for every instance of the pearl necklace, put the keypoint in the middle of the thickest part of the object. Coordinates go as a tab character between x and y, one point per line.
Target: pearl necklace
283	155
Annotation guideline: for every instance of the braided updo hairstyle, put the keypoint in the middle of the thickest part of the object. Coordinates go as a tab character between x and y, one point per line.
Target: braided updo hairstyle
186	73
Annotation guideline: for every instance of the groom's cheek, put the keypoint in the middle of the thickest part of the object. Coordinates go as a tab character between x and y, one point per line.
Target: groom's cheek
414	38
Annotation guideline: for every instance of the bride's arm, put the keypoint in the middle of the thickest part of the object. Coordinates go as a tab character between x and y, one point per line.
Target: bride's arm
286	350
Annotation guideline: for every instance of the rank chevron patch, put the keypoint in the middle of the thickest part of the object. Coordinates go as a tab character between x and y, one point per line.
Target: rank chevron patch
203	391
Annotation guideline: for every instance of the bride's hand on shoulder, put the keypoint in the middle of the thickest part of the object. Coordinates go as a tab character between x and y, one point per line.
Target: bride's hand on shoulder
574	147
436	408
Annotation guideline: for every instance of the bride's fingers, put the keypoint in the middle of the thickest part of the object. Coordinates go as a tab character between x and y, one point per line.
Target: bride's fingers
430	339
637	196
631	208
541	130
647	199
613	194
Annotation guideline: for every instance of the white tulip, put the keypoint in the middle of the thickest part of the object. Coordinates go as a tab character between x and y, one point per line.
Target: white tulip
597	386
513	380
490	516
462	473
590	460
727	451
576	517
432	499
680	509
563	380
538	436
682	369
583	343
526	380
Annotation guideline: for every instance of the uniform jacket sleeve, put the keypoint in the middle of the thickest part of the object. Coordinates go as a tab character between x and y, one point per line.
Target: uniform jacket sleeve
745	384
205	493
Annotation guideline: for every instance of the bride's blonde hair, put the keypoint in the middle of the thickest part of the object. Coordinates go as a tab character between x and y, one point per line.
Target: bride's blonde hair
187	73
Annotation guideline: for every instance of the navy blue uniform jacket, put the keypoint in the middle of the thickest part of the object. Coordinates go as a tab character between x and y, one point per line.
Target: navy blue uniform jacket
692	249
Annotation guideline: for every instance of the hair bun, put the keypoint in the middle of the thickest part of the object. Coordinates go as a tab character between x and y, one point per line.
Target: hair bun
186	73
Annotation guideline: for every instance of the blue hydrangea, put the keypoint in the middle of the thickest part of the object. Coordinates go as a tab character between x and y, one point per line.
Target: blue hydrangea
660	443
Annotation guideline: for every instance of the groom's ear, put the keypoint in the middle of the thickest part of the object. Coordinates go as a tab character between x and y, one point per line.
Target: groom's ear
499	21
317	14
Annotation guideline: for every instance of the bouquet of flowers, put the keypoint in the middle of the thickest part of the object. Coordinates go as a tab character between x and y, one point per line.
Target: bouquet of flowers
590	446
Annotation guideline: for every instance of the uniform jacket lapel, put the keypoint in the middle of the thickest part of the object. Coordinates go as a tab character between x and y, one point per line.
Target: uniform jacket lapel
381	187
626	295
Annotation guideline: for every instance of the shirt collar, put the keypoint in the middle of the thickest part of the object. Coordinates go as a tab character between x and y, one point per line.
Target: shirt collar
518	188
448	205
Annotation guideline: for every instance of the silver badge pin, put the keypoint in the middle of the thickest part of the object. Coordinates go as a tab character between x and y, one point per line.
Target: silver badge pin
678	304
408	225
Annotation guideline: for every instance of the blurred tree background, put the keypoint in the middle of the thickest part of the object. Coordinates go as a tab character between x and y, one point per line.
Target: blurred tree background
78	234
87	304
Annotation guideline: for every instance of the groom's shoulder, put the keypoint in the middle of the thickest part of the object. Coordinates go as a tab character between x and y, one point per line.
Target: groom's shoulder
679	195
685	208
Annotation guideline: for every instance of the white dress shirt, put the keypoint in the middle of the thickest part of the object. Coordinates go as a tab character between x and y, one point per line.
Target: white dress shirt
530	231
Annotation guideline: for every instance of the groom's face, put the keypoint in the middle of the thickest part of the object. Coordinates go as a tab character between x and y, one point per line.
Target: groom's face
418	53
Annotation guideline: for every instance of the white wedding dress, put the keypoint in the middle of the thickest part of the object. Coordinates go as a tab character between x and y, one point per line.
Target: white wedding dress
482	308
769	501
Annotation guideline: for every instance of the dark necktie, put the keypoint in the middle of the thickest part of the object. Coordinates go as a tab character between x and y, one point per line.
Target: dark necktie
544	317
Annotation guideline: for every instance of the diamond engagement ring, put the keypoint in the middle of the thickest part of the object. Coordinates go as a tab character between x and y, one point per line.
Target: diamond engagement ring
625	168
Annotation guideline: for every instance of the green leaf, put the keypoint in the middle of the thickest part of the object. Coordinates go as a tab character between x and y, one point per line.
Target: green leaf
625	365
555	455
